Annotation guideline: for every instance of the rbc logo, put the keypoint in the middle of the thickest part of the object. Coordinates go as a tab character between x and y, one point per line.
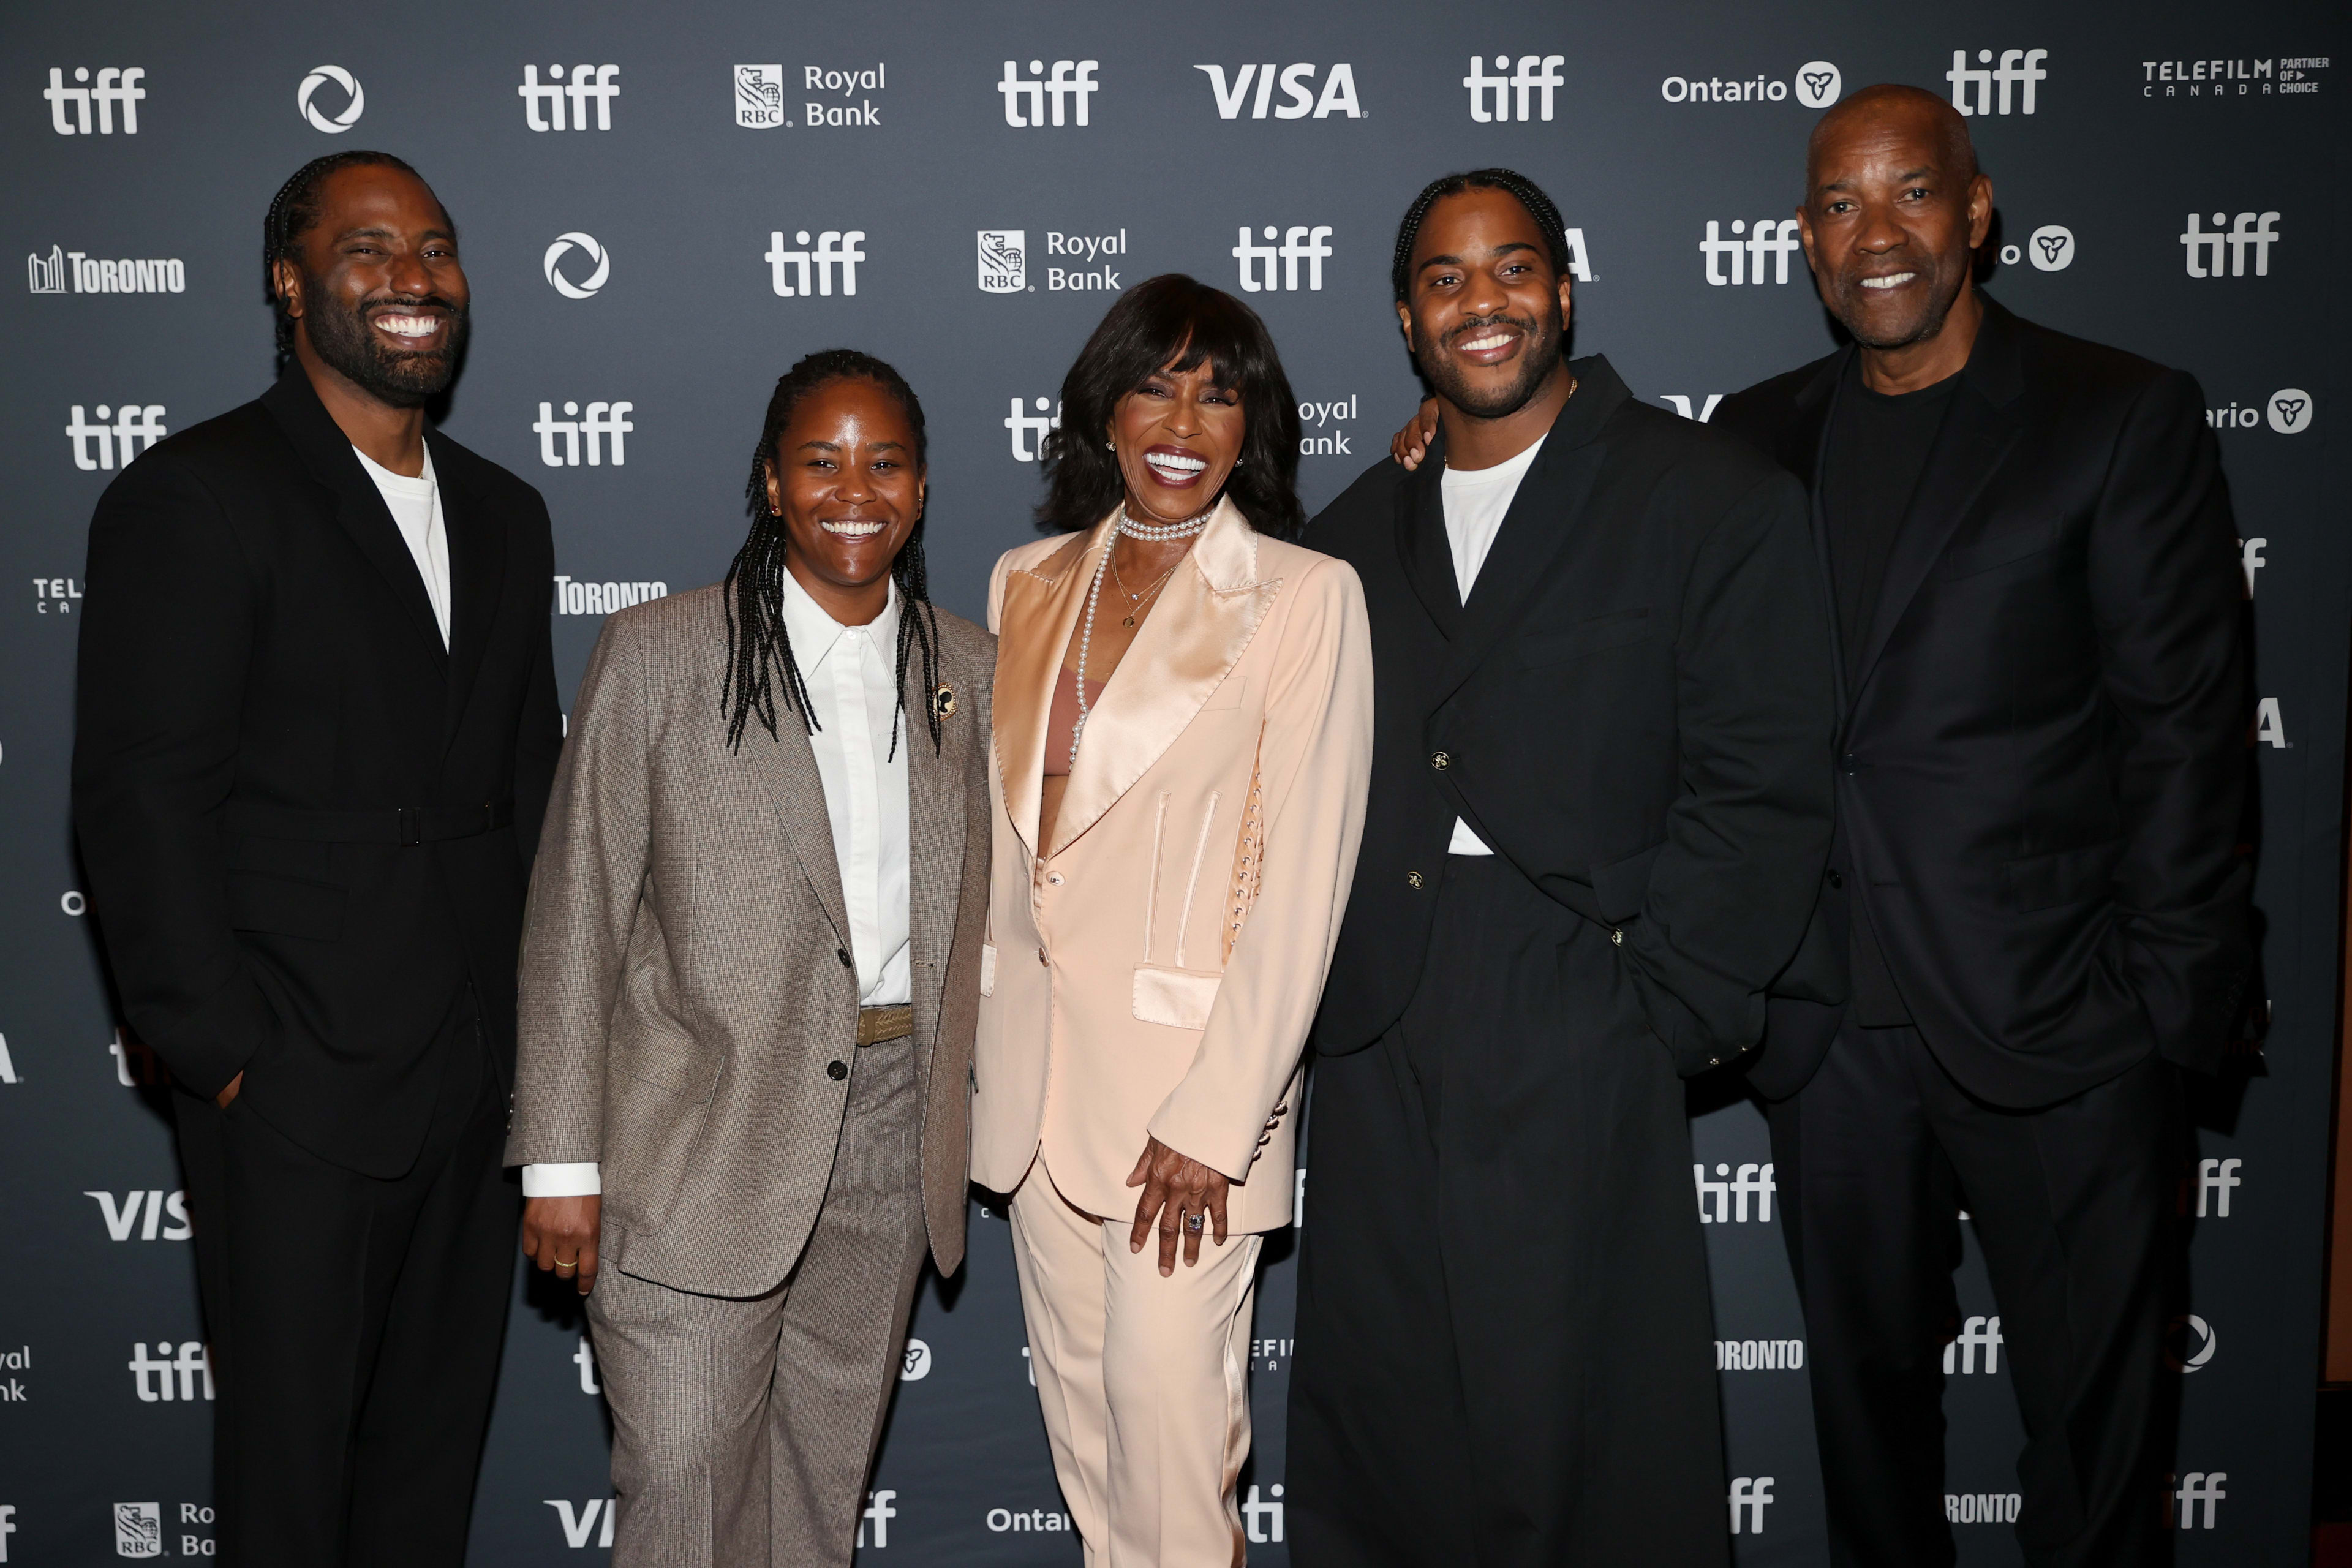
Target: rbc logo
1299	243
1003	261
1024	99
1339	96
320	121
597	259
760	97
115	85
139	1529
587	82
1536	75
1973	91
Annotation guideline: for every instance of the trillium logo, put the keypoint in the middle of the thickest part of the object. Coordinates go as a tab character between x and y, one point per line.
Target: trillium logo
1818	84
2290	415
600	263
914	1362
2051	247
320	77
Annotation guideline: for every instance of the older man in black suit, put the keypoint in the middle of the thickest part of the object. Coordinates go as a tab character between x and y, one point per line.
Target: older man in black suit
317	726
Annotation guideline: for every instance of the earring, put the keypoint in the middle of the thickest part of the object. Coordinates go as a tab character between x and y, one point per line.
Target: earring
1110	446
1240	462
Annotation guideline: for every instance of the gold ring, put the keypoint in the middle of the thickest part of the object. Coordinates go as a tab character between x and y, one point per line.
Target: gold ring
570	1263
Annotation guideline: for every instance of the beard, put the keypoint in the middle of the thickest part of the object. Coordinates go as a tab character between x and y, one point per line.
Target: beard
1922	324
1546	341
397	377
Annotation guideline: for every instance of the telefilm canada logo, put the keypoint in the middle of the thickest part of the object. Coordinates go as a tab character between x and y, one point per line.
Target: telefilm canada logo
2208	80
1300	99
1068	87
599	261
117	88
316	98
63	271
1816	84
544	103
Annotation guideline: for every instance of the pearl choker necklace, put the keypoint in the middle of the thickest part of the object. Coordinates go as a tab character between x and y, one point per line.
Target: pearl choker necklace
1157	532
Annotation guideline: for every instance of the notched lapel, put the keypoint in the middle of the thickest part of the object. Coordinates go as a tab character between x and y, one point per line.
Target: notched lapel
1046	602
935	840
477	569
1422	546
1539	526
787	766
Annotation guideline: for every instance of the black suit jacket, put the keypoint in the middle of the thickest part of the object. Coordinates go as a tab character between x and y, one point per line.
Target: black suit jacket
257	649
1635	708
2042	765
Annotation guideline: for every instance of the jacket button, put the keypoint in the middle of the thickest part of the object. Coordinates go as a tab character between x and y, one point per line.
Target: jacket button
1055	878
1413	880
1836	880
1715	1061
1043	961
1847	764
843	954
1617	937
1440	760
836	1070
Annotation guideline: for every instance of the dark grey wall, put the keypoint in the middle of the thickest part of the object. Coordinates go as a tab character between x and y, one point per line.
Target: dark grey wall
2124	142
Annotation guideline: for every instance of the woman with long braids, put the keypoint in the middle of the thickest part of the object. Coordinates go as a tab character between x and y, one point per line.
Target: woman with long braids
751	966
1182	740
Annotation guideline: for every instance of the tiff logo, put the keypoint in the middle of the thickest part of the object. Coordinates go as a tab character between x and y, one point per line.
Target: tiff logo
2216	1179
1751	1181
138	422
543	106
120	1219
1298	89
601	419
1536	74
116	85
878	1513
1025	450
2196	1487
153	1377
1299	243
1976	1333
584	1358
2257	231
1750	1495
1973	91
1775	240
1024	99
136	1065
1263	1520
834	248
581	1523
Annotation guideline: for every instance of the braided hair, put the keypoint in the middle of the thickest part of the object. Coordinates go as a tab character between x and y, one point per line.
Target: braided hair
292	212
759	648
1530	196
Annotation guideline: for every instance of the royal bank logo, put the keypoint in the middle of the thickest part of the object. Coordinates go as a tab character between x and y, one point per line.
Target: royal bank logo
852	82
2249	231
1084	248
313	101
1750	1496
1725	1200
122	1217
1532	84
1989	88
63	271
1003	261
1300	242
71	108
579	1520
1029	437
600	266
602	421
95	445
1816	85
2288	77
789	271
1299	97
1025	98
2188	1343
139	1529
1315	441
544	103
1737	260
760	97
1976	1334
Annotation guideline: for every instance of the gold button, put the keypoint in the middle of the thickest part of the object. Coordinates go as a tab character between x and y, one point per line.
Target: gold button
1413	880
1440	760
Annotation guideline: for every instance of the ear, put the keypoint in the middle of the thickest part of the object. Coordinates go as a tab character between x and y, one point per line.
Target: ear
1404	319
775	488
1980	210
1566	300
285	280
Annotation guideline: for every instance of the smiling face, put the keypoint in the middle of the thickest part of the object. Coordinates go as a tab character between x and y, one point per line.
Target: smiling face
378	295
1895	209
1485	316
1177	436
845	478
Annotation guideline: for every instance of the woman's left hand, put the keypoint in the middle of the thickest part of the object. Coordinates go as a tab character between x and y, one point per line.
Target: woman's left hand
1177	1191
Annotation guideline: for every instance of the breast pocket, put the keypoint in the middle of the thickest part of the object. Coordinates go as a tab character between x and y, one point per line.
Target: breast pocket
1990	555
1584	639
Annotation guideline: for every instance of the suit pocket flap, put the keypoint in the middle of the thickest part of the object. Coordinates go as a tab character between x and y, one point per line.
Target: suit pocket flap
987	969
665	1060
1180	998
1992	553
2060	877
284	906
1622	885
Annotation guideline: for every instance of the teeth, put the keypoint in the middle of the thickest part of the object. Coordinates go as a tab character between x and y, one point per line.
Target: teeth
410	326
852	530
1480	345
1169	462
1889	281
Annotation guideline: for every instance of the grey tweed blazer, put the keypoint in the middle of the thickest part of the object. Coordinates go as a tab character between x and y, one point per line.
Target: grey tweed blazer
682	989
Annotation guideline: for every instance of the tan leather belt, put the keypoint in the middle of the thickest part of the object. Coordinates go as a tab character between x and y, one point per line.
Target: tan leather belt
878	1025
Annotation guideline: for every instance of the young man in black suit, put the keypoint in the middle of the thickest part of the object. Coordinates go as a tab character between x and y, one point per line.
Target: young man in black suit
1600	800
316	729
2036	883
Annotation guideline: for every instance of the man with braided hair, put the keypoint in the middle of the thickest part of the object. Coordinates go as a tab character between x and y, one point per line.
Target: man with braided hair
750	973
317	723
1600	800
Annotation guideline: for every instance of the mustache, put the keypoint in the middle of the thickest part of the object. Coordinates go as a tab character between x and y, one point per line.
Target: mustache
385	302
1475	324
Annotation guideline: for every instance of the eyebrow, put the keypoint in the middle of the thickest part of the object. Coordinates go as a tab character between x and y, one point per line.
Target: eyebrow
377	231
836	445
1919	173
1505	249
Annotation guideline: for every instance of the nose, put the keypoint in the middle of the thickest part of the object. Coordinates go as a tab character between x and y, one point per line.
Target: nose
1879	232
1483	295
409	275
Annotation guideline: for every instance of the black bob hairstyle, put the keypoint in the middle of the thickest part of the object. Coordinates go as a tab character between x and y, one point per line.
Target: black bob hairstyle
1174	322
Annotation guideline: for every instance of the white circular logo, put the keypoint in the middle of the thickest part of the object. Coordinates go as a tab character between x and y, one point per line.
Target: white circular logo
2190	1344
595	254
2051	248
319	76
1817	84
916	1364
2289	411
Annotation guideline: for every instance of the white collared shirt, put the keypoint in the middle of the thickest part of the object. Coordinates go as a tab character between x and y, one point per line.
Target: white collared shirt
415	508
1475	501
851	673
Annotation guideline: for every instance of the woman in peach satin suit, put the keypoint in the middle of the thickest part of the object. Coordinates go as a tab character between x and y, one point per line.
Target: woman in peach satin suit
1184	731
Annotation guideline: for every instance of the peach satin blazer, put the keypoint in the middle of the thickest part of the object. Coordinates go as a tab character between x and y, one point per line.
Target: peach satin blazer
1156	971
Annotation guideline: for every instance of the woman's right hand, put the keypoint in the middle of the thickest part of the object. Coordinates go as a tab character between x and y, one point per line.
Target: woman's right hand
1412	442
560	1236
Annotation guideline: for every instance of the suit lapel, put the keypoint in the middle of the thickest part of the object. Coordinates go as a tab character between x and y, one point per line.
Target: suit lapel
477	563
1200	628
935	842
788	767
1044	603
1803	450
1423	545
1978	434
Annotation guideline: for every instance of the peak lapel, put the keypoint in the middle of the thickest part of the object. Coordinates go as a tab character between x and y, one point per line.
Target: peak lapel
1045	601
478	567
1422	546
1201	626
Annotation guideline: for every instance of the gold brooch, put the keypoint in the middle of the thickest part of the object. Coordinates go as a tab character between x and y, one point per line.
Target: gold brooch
943	701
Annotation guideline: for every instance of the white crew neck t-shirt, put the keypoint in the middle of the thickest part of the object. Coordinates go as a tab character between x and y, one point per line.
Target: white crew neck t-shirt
1475	501
415	507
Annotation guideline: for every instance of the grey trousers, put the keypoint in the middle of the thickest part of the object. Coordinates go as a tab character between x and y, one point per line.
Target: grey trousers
743	1429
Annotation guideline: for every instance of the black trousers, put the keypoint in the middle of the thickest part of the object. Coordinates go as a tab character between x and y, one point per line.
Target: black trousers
1503	1352
355	1325
2073	1206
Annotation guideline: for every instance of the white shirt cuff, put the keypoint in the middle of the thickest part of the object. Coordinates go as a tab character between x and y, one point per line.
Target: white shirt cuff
573	1179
